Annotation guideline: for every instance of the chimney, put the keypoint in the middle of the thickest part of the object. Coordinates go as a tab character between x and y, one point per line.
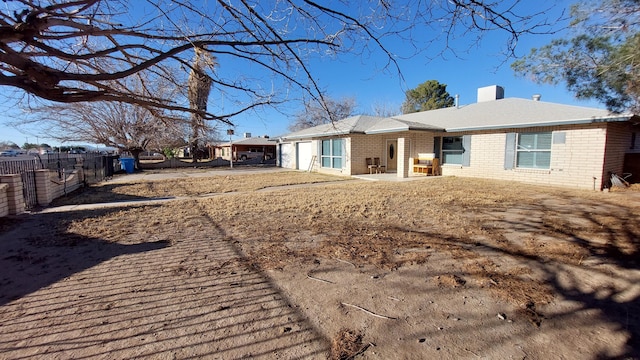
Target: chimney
490	93
536	97
457	101
247	135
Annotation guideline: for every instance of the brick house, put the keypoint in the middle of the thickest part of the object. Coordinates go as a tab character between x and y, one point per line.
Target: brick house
525	140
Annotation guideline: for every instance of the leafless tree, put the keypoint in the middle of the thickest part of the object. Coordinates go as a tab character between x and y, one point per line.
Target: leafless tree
122	125
314	114
84	50
199	86
385	109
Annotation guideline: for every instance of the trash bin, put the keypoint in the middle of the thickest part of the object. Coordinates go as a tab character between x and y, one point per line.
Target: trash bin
127	164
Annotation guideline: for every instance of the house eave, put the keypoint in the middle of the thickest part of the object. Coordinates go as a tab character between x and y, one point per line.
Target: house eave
401	129
542	124
318	135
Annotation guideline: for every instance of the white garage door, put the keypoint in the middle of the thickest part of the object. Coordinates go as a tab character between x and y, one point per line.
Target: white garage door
287	156
303	155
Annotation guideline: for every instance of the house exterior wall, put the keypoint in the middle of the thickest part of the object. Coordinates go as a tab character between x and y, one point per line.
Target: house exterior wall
371	146
363	147
618	143
577	163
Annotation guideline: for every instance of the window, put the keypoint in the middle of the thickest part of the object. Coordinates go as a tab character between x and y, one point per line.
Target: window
332	153
533	150
452	150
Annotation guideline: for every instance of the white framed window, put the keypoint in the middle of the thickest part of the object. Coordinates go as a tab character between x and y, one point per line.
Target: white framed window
332	153
452	150
533	150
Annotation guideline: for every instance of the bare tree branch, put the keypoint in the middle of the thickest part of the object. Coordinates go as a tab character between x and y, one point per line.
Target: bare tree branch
82	50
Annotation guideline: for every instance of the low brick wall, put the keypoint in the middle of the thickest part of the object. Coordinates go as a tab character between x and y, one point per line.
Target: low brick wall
4	204
50	186
14	197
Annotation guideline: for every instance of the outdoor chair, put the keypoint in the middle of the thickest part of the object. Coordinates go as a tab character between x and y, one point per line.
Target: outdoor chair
379	167
371	166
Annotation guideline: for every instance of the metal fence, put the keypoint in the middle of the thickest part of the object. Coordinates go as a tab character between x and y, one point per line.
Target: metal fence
96	168
26	168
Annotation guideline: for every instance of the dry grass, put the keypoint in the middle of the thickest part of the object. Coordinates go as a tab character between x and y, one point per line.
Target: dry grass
346	345
390	225
189	186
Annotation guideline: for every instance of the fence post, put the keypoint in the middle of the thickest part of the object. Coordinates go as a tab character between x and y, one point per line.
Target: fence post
15	198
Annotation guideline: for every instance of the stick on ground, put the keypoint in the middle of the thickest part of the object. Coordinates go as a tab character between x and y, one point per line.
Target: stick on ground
369	312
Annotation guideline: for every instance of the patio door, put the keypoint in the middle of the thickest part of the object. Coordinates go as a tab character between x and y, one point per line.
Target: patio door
392	155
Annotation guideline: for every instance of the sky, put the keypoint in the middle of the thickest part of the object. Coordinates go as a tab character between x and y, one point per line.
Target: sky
361	78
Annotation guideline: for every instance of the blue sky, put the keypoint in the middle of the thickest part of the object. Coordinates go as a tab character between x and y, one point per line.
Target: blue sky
362	79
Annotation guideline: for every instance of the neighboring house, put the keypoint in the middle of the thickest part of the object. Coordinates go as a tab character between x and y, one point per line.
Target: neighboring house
248	148
498	138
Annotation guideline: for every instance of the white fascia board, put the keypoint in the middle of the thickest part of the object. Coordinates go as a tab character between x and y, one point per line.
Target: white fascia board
401	129
317	135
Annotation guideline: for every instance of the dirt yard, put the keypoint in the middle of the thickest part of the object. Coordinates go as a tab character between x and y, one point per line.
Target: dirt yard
305	266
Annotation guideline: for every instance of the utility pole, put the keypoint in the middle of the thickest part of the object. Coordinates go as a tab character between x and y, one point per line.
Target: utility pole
230	133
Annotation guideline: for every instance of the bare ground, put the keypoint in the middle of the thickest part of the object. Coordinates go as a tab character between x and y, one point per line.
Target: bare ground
433	268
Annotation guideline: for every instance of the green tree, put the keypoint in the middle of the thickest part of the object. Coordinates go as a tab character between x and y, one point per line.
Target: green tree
600	59
429	95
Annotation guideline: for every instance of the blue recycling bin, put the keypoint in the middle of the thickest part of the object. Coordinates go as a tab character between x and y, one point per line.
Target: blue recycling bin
127	164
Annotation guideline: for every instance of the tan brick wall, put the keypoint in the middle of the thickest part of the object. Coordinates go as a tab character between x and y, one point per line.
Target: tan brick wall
15	198
577	163
4	203
618	143
364	146
49	187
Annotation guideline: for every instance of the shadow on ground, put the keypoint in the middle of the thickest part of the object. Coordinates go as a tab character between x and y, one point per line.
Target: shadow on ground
191	296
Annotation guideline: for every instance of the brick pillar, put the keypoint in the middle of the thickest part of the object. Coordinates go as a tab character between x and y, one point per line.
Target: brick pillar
44	188
15	197
403	157
80	173
4	205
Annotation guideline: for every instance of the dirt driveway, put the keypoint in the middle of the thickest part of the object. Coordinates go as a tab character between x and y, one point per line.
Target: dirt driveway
437	268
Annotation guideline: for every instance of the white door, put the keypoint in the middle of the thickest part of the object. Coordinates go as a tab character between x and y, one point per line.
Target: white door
303	155
287	156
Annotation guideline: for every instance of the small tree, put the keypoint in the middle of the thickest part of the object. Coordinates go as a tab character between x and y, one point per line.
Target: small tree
429	95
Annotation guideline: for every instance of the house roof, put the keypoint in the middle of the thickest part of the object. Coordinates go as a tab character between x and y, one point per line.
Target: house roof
257	141
487	115
511	113
350	125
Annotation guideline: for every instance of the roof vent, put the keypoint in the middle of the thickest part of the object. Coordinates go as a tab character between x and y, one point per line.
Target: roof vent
247	135
536	97
490	93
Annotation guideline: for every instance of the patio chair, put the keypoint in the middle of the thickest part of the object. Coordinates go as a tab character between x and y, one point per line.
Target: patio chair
371	166
379	167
